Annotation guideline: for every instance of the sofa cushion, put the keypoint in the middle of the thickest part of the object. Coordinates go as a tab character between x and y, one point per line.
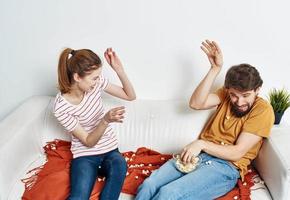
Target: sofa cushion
273	162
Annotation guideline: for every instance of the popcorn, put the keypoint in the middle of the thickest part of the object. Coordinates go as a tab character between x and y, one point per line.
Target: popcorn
186	167
146	172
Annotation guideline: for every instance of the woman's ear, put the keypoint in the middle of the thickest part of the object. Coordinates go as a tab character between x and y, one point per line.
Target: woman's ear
76	77
226	90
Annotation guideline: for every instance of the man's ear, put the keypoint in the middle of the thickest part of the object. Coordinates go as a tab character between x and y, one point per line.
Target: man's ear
77	78
257	90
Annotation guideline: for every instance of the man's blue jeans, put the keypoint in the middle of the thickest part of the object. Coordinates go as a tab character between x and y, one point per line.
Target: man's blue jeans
213	178
84	171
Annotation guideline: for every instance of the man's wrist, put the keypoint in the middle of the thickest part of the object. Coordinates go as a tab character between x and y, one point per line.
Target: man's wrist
202	144
215	69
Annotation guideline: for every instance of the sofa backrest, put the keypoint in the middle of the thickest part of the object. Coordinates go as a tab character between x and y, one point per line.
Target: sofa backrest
162	125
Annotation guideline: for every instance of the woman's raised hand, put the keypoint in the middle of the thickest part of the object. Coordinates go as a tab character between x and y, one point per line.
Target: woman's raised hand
113	60
115	115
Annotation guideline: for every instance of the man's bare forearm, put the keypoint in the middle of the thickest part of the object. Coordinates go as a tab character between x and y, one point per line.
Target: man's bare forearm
226	152
202	91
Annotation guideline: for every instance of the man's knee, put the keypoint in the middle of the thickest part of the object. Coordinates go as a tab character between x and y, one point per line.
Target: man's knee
148	185
168	192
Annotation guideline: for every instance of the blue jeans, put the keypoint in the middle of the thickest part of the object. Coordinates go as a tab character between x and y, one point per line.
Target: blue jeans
84	171
213	178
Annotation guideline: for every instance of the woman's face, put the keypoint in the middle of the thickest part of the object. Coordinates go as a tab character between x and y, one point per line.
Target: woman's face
88	82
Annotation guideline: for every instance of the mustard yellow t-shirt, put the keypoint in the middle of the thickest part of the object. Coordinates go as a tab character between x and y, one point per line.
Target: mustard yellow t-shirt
224	128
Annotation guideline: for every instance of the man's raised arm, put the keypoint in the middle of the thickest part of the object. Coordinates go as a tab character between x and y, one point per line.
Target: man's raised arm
201	97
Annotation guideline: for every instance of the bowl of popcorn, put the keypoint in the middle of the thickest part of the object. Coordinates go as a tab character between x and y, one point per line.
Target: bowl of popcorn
186	167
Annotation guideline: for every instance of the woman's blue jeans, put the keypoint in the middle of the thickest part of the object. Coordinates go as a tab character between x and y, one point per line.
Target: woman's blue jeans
213	178
86	169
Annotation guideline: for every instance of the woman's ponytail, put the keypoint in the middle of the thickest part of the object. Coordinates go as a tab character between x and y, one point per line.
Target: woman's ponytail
64	74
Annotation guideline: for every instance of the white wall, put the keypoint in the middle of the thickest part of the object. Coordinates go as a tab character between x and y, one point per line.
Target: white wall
158	42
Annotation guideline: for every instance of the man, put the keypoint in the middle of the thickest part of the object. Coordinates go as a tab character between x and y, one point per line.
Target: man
230	140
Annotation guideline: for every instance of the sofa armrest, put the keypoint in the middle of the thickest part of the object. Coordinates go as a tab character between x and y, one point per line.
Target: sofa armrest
20	143
273	162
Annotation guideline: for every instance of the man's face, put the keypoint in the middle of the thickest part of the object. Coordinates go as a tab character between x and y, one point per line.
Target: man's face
242	101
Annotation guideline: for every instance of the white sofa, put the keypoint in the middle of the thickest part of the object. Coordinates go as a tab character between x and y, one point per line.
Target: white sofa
165	126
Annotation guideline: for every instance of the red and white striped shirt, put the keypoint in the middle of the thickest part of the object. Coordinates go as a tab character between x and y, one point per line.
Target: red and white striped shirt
88	113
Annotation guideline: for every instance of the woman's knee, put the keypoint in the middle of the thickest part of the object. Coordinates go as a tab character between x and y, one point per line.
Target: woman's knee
82	168
116	165
120	163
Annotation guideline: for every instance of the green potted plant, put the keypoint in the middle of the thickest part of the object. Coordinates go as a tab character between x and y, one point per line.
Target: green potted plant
280	101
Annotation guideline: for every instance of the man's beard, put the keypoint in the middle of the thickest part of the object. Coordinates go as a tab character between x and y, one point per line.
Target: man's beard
239	113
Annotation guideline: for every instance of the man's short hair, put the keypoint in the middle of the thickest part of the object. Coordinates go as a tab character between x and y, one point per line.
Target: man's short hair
243	77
